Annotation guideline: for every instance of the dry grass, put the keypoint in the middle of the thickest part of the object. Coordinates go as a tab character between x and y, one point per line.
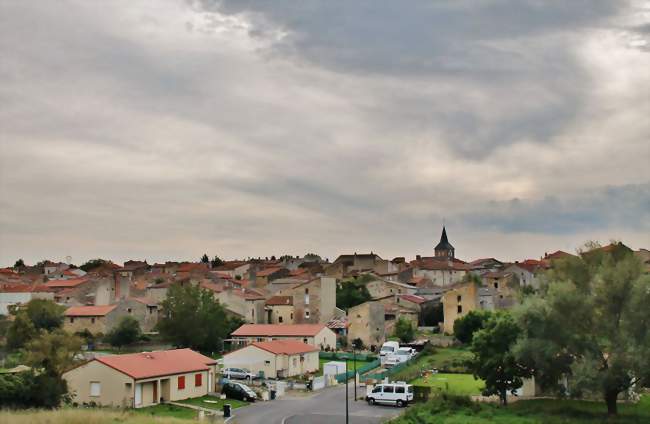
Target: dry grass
81	416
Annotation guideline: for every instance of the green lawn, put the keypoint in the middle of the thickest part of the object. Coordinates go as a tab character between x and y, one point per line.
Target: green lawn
459	384
542	411
165	410
447	359
218	406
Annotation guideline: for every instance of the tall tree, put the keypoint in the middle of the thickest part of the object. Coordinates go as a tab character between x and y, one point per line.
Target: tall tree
205	258
45	314
191	317
20	331
216	262
19	263
53	352
592	323
351	293
493	359
466	326
125	333
405	330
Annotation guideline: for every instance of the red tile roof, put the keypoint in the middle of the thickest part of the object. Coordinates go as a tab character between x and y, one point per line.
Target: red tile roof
248	294
280	300
73	282
159	363
278	330
23	288
268	271
285	347
89	311
413	298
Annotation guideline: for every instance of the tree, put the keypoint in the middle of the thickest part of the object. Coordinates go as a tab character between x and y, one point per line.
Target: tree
312	257
216	262
45	314
405	330
31	390
191	317
205	259
125	333
19	263
53	353
351	293
494	361
465	327
591	323
21	331
92	264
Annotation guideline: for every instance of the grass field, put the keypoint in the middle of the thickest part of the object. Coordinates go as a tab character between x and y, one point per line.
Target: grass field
218	406
459	384
543	411
90	416
165	410
448	359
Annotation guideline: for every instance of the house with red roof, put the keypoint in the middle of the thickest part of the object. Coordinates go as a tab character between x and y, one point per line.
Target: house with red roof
19	294
275	359
142	379
96	319
311	334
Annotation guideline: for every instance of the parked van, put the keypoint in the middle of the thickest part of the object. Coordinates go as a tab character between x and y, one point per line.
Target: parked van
388	348
398	393
404	354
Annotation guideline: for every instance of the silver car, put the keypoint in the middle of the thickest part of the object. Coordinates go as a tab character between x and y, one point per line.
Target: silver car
238	374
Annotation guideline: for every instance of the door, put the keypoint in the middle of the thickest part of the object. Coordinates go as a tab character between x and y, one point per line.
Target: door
155	391
138	394
210	389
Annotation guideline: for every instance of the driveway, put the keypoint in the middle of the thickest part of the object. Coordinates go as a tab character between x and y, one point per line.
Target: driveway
324	407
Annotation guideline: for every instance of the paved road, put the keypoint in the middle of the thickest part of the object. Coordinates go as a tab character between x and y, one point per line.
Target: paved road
324	407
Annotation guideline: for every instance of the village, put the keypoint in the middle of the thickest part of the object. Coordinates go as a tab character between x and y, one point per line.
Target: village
364	333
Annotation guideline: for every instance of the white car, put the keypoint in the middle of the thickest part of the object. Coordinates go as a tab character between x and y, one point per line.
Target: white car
391	361
388	348
238	374
398	393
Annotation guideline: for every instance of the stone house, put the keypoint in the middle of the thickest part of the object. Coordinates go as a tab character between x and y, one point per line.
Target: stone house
142	379
247	303
314	301
279	310
366	322
457	302
380	288
96	319
265	276
311	334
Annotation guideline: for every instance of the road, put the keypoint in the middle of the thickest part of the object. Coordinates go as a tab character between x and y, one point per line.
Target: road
324	407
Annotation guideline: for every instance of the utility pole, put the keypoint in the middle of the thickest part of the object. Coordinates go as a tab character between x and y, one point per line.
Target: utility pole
354	356
347	416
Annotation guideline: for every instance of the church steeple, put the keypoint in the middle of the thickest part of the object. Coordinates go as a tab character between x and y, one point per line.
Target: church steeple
444	249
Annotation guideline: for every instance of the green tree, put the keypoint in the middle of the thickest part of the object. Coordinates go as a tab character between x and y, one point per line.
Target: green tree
405	330
216	262
92	264
205	258
125	333
21	331
593	324
19	263
53	353
31	390
45	314
466	326
191	317
494	361
351	293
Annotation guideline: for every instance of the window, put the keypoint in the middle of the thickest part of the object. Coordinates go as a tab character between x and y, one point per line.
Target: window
291	316
304	341
306	291
129	310
95	388
460	309
267	362
198	380
459	298
496	285
181	382
389	389
377	390
280	319
399	389
92	320
306	314
71	320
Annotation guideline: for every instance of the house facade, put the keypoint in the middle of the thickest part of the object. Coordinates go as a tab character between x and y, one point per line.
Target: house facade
312	334
275	359
366	322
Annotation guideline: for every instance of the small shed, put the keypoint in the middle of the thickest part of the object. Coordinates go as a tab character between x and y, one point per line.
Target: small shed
334	368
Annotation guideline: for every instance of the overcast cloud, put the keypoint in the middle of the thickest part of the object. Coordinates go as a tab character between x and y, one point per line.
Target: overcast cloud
165	129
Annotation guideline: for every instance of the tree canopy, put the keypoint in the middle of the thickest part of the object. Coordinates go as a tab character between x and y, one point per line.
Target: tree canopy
52	352
19	263
125	333
405	330
205	259
351	293
38	314
92	264
466	326
191	317
590	323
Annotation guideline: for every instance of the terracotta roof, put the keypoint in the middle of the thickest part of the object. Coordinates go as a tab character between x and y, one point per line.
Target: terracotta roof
413	298
280	300
285	347
217	288
192	267
278	330
89	311
159	363
23	288
248	294
73	282
229	266
145	301
336	323
559	254
268	271
7	271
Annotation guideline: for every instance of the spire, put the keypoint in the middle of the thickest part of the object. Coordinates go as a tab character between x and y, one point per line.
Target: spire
443	237
444	248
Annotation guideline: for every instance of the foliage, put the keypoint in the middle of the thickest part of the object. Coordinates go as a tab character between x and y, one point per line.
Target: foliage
125	333
216	262
433	315
358	344
405	330
92	264
605	345
312	257
45	314
52	352
31	390
351	293
494	361
191	317
466	326
205	259
19	263
21	331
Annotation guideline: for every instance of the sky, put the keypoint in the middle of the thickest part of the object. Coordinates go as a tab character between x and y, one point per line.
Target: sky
160	130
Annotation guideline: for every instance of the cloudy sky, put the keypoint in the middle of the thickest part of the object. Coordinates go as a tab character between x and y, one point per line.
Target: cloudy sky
163	129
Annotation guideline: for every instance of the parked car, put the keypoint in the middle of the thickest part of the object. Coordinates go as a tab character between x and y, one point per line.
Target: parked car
388	348
391	361
238	374
239	391
398	393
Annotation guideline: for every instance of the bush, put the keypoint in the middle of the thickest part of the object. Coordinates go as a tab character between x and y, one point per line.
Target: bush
29	390
465	327
404	330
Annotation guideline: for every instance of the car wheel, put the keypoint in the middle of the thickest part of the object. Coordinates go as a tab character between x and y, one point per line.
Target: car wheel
400	403
371	401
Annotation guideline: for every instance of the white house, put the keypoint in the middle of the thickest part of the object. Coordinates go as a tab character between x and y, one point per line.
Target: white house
17	294
275	359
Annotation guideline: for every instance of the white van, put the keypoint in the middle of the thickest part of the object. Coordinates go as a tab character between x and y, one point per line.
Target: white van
405	354
398	393
388	348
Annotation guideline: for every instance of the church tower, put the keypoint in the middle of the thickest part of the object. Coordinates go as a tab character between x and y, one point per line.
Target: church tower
444	249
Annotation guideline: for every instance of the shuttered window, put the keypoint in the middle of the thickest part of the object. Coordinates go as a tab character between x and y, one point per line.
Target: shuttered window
198	380
181	382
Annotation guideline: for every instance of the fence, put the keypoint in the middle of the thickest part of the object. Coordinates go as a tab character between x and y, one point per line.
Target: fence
360	370
346	355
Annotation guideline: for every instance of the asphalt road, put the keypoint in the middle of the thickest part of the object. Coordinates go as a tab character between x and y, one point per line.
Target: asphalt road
324	407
